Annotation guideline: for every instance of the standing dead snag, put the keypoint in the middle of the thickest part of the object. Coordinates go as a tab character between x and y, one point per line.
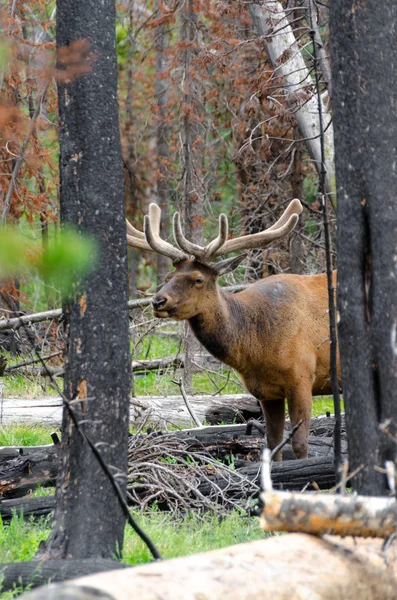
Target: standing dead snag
97	377
364	103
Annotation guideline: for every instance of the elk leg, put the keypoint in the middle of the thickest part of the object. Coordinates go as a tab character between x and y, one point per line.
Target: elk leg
274	412
300	407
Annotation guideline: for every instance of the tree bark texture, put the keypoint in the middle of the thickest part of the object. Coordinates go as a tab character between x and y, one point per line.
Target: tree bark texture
364	68
295	566
97	376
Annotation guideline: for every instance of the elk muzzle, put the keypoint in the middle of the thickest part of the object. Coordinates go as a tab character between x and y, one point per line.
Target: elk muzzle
162	306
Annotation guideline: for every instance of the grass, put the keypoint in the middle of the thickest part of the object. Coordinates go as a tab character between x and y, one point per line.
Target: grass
173	537
27	387
25	435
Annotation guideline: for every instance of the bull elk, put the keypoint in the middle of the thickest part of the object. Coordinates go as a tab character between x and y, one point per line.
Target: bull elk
275	333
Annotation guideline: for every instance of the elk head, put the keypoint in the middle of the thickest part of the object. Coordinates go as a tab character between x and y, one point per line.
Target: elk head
190	289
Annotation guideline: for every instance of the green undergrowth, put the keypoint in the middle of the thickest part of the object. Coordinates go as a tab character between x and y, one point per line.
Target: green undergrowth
173	536
25	435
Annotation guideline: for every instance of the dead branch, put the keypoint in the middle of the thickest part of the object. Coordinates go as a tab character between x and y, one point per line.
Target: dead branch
157	364
17	322
163	468
196	420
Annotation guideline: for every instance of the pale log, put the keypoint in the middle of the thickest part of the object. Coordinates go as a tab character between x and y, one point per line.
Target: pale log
295	566
156	411
362	516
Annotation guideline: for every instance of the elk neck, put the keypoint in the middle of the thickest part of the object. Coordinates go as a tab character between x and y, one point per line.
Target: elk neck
228	325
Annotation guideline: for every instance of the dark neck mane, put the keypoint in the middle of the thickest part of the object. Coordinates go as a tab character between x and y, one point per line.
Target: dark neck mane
219	327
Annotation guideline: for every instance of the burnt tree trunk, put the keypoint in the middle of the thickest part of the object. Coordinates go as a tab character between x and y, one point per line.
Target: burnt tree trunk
88	524
364	72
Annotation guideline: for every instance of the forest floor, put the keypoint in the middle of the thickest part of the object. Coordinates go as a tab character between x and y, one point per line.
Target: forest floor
173	535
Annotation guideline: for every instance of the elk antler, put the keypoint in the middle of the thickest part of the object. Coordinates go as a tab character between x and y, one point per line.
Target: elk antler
221	245
150	239
284	225
201	253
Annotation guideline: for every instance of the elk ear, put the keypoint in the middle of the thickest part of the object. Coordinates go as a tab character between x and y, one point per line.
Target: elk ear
228	265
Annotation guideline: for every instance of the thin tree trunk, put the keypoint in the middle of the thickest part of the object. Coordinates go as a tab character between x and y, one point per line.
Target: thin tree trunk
297	247
192	164
163	137
364	68
97	376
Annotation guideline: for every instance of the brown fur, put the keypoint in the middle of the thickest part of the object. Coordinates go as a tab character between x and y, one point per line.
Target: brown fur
275	334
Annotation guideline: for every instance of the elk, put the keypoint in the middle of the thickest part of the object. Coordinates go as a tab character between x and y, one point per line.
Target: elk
275	333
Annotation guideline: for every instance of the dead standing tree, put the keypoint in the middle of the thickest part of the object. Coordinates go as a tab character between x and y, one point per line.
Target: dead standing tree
191	158
97	375
364	101
163	139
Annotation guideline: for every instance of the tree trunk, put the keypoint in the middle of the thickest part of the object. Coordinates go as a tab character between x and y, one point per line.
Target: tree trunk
364	67
272	25
163	136
192	166
97	377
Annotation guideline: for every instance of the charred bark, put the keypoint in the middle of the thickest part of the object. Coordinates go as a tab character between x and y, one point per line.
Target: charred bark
365	97
97	376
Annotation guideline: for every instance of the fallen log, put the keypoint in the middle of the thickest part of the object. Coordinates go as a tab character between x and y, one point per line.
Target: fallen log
23	469
155	411
310	473
39	572
214	435
317	514
295	566
317	473
171	410
24	473
27	507
226	440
